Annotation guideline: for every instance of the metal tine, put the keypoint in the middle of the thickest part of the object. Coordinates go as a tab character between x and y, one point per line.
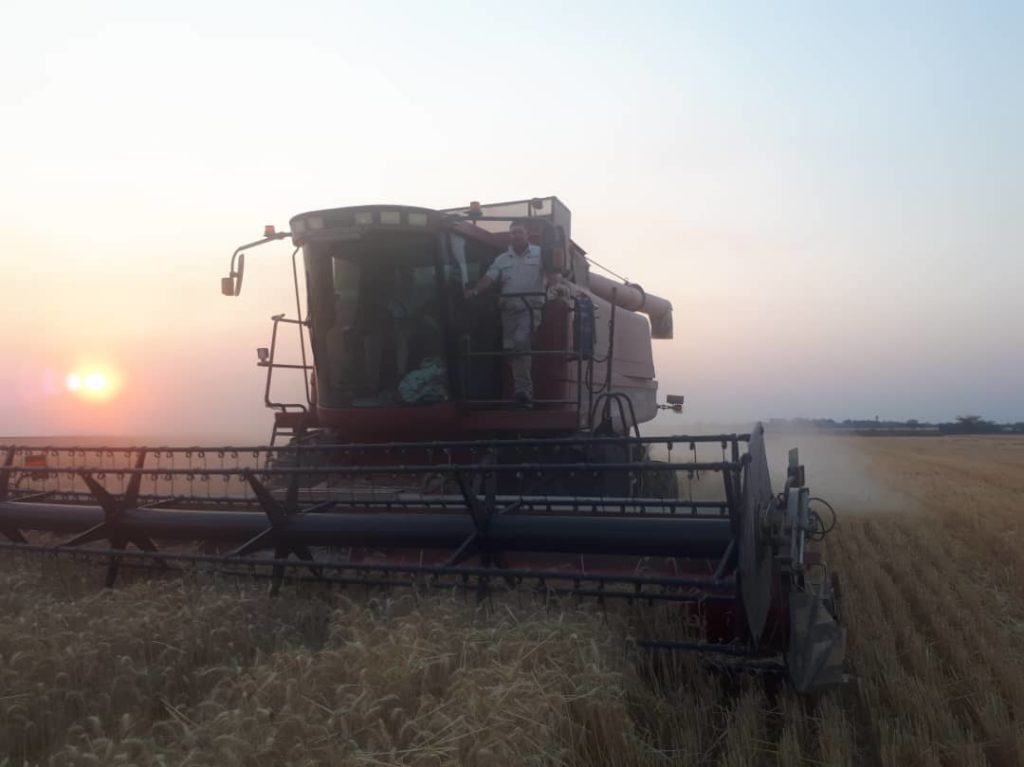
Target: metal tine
669	446
167	460
58	479
205	478
6	472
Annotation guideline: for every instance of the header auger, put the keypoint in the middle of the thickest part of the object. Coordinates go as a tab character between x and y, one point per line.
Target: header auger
410	465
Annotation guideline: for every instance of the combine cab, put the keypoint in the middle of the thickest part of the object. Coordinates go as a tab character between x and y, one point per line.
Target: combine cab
410	464
398	353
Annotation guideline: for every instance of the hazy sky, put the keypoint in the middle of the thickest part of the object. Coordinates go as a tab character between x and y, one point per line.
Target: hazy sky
832	198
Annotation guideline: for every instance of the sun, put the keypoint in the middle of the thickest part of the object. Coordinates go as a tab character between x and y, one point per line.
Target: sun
93	384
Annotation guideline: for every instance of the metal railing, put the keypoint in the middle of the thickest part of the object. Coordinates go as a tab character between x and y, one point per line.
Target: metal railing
270	362
392	475
268	359
495	498
506	355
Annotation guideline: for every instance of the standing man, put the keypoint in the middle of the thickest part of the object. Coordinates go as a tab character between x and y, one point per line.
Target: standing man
520	273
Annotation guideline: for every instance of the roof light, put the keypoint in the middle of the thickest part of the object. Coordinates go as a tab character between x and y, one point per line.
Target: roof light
269	231
474	209
417	219
391	217
298	226
364	217
316	222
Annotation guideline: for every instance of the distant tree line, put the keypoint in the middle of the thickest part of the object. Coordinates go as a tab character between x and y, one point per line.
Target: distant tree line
962	424
975	424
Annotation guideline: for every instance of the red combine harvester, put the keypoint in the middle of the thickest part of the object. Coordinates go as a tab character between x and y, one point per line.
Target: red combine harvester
409	462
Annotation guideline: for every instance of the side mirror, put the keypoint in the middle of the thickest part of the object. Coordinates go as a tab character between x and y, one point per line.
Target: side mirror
674	402
232	284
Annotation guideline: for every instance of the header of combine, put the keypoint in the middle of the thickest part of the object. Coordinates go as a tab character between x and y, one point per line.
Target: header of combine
398	352
409	467
585	517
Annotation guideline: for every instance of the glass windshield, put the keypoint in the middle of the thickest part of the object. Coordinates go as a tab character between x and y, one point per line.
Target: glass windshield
375	308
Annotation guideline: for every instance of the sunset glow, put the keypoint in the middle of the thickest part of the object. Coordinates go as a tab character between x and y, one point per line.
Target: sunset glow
92	384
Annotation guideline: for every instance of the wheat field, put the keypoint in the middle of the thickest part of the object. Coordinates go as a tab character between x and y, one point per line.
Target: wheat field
207	672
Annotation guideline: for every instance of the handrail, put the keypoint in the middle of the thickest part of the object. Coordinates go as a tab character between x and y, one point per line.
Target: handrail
569	354
270	364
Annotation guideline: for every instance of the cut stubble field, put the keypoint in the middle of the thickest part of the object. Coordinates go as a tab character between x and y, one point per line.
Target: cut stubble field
186	672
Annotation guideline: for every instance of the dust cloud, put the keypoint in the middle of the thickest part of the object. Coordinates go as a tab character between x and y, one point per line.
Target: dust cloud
838	468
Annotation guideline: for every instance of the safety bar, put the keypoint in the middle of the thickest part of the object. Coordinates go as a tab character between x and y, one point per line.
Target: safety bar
269	362
568	354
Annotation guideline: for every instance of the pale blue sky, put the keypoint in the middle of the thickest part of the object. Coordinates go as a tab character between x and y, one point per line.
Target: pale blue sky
830	197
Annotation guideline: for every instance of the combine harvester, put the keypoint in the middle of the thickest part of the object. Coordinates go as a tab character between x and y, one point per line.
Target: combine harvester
408	463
